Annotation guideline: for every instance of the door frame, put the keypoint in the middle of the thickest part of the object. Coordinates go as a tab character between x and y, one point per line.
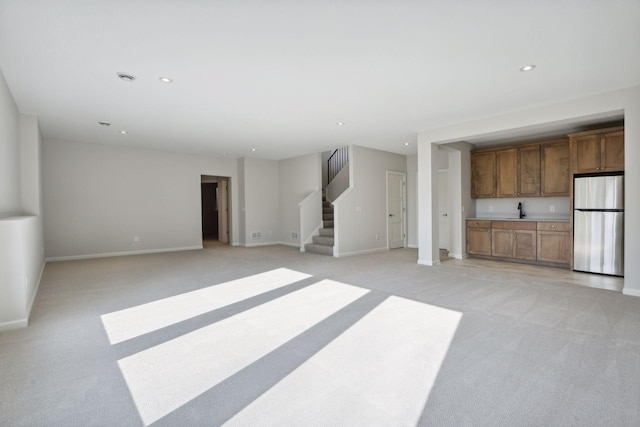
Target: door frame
404	206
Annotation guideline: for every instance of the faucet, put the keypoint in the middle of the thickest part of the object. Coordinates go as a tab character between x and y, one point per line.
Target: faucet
522	215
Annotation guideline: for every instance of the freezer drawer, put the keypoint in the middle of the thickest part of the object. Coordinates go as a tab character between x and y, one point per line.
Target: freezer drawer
598	242
599	192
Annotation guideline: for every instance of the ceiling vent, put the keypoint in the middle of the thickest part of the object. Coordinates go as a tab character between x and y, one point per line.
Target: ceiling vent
126	77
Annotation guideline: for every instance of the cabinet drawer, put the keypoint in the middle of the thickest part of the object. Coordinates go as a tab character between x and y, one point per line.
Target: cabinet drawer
554	226
513	225
475	223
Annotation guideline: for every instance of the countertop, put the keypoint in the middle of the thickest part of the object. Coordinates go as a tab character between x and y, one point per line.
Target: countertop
533	218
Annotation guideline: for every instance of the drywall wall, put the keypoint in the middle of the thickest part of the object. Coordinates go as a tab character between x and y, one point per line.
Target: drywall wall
412	198
626	101
30	165
9	151
98	198
361	213
262	201
299	177
21	245
242	222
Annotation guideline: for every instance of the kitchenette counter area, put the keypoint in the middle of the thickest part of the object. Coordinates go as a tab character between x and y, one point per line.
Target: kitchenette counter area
543	241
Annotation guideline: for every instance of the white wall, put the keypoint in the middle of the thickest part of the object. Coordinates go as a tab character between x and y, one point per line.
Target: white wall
412	201
592	107
242	221
21	247
98	197
299	177
262	201
361	212
9	151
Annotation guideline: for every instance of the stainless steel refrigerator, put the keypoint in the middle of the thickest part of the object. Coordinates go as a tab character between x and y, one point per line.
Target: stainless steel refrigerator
598	224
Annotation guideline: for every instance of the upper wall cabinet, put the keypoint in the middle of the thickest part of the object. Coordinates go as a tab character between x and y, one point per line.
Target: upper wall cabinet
554	174
599	150
530	170
483	174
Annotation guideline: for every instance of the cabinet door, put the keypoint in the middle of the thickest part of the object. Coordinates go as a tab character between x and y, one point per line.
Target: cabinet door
502	243
524	244
586	153
529	171
612	152
507	172
553	246
479	241
483	174
554	176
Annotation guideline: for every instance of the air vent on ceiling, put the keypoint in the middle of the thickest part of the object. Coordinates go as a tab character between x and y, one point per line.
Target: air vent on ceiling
126	77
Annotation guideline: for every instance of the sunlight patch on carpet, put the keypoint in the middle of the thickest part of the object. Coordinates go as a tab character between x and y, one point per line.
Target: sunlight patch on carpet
139	320
377	373
165	377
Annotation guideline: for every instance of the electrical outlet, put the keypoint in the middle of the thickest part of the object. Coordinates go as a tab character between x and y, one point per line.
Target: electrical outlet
377	237
552	208
294	235
490	208
136	238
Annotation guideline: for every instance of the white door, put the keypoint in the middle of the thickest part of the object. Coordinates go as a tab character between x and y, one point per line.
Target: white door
223	210
443	204
395	209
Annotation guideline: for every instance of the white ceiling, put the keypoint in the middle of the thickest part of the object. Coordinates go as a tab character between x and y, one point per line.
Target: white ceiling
278	75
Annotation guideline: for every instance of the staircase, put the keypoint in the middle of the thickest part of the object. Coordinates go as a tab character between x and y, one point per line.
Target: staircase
323	244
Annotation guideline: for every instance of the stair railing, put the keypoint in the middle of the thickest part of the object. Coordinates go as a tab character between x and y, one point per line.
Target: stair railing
336	162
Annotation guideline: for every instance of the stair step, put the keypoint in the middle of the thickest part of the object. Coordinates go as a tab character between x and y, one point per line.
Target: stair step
327	210
326	232
327	224
323	240
319	249
327	217
327	204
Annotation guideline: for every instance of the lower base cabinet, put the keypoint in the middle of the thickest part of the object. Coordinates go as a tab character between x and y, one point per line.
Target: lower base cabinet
514	239
544	242
554	242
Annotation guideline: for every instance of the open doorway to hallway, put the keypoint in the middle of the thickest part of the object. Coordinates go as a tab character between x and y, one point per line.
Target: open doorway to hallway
214	192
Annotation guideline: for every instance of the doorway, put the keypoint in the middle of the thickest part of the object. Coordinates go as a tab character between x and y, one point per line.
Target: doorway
396	234
214	194
443	209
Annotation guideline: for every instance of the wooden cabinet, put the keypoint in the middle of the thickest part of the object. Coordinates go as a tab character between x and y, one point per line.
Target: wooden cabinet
518	172
533	242
554	164
514	239
529	171
599	150
554	242
507	172
479	237
483	174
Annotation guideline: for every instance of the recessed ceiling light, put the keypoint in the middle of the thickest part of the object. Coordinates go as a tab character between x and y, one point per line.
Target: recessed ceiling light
126	77
124	132
528	67
166	79
253	149
406	143
104	123
340	123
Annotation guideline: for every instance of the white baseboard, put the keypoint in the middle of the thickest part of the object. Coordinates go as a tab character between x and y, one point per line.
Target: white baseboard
112	254
457	256
412	246
631	292
366	251
14	324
